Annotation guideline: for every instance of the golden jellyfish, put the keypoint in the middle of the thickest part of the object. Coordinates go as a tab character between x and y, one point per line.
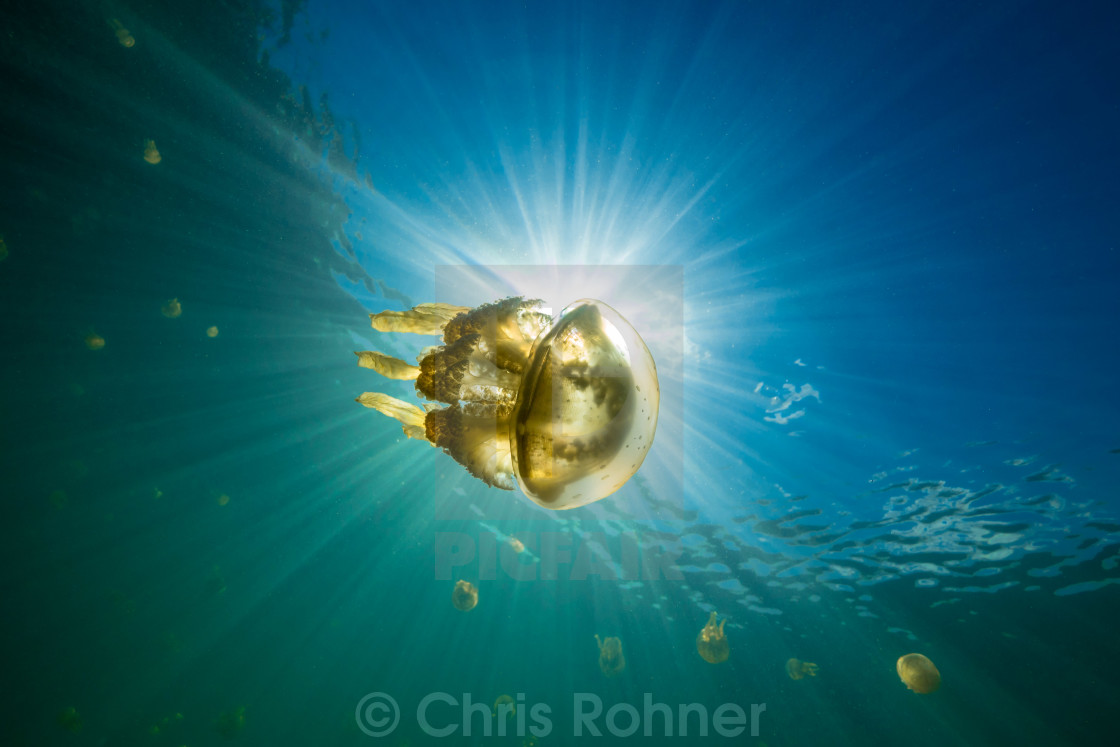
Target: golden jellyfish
564	408
464	596
797	669
711	642
172	309
517	545
95	341
918	673
611	660
211	332
151	153
504	707
124	36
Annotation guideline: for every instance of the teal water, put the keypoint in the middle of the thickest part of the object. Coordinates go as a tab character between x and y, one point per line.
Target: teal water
872	251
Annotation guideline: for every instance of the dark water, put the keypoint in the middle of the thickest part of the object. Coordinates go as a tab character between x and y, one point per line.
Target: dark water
872	250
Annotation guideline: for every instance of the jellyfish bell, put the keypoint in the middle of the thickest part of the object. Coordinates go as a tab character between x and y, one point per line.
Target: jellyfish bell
464	596
504	707
611	660
564	408
711	643
918	673
797	669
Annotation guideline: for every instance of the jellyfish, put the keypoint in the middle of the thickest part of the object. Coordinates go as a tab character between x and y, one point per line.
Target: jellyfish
69	720
464	596
172	309
95	341
918	673
797	669
711	643
151	153
564	408
211	332
504	707
3	249
611	660
517	545
124	36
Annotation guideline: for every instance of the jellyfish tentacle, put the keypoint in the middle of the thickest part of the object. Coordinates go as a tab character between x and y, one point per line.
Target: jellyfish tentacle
387	366
425	319
472	438
410	416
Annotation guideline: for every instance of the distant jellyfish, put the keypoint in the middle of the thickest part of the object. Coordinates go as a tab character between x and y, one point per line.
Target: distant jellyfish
504	707
566	408
211	331
230	723
611	660
517	545
464	596
3	249
797	669
711	643
172	309
124	36
69	720
151	153
918	673
95	341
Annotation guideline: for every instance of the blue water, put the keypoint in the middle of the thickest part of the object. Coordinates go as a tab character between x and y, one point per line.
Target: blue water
872	248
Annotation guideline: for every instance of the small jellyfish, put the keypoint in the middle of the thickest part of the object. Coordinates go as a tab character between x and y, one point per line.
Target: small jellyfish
95	341
69	720
797	669
211	331
230	723
504	707
151	153
464	596
124	36
564	408
711	642
172	309
517	545
918	673
3	249
611	660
